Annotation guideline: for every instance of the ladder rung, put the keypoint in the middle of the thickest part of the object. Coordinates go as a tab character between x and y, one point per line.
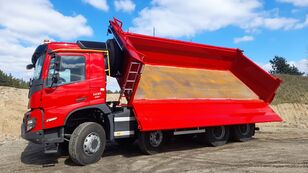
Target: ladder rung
127	91
135	63
130	80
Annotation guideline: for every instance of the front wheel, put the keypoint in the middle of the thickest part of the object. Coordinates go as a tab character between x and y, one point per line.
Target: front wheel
215	136
87	143
150	142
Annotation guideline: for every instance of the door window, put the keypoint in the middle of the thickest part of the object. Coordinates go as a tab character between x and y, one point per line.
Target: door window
72	69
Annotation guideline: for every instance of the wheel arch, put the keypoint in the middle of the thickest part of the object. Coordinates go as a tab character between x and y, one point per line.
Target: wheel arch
98	113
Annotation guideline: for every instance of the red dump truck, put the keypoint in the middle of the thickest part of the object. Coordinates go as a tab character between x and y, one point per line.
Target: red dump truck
168	87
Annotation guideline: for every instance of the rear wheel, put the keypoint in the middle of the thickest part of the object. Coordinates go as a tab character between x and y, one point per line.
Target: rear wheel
243	132
150	142
215	136
87	143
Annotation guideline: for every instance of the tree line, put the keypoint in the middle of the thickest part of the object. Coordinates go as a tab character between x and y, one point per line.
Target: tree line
9	80
281	66
113	92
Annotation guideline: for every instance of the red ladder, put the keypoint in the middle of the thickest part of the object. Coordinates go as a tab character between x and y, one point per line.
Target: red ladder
128	86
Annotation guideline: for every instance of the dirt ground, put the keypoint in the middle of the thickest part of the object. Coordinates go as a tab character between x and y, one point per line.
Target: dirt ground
277	147
282	150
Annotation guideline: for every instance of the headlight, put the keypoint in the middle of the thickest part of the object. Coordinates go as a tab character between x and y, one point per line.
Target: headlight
30	124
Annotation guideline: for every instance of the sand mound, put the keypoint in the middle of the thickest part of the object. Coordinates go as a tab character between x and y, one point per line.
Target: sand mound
13	104
294	115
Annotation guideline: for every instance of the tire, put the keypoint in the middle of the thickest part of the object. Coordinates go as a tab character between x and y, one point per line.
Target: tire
150	142
215	136
243	132
115	57
87	143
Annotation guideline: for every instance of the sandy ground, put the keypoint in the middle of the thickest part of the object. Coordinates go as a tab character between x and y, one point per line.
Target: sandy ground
13	104
294	116
277	147
283	150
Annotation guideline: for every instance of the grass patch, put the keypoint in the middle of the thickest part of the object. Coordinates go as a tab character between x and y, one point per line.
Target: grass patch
294	89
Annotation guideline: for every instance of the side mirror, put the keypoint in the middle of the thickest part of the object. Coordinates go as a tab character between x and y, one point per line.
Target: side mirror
57	63
54	79
55	76
29	66
30	82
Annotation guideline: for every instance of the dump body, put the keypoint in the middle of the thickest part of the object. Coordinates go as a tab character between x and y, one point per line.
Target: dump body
189	85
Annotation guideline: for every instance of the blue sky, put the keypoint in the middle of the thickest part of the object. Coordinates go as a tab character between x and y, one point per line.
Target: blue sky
292	44
261	28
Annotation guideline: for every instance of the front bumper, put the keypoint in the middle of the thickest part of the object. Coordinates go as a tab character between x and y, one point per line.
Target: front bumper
55	135
35	137
50	138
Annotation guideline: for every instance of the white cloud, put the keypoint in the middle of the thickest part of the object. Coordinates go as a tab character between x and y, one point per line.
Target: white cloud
275	23
99	4
267	67
124	5
298	3
302	25
24	25
112	84
302	65
176	18
245	38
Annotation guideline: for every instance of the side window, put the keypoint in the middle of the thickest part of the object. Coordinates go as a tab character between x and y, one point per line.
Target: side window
50	71
72	69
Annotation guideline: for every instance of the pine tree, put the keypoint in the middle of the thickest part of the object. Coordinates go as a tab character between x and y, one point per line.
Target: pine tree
9	80
281	66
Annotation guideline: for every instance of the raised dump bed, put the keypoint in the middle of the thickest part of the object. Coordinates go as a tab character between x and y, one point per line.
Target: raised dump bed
188	85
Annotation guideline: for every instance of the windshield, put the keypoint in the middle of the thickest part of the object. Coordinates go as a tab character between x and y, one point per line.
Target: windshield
38	67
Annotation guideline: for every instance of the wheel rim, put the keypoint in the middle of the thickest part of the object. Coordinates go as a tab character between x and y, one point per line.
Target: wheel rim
156	138
244	129
219	132
91	143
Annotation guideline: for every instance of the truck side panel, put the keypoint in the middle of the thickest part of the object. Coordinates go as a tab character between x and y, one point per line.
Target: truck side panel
177	114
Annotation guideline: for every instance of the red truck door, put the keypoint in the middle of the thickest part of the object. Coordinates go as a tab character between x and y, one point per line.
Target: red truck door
71	91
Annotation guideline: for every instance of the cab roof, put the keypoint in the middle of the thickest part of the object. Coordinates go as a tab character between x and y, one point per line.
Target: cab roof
80	44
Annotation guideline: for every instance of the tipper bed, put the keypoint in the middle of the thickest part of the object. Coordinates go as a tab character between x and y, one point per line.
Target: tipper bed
177	84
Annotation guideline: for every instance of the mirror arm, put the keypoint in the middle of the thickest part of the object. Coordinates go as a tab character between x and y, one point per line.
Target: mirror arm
55	76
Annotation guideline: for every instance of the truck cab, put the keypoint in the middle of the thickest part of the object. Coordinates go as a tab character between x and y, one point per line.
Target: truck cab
69	88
